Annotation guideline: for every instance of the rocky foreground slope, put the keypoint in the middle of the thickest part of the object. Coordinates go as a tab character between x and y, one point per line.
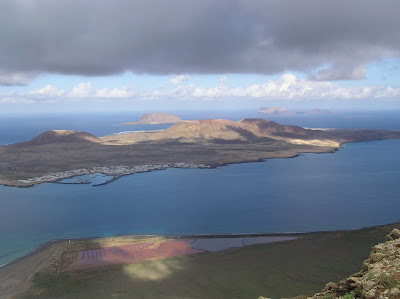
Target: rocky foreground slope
378	278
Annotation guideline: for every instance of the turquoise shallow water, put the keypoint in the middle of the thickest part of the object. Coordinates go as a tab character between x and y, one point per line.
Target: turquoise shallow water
355	187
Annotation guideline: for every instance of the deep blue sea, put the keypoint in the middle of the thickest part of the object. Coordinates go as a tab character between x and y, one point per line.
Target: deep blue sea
355	187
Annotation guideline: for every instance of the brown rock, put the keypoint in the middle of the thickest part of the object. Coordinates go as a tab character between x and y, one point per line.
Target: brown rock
395	234
388	238
376	257
371	294
395	292
330	286
368	285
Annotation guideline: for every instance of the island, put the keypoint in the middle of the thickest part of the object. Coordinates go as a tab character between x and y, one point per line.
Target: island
275	110
284	111
155	119
60	154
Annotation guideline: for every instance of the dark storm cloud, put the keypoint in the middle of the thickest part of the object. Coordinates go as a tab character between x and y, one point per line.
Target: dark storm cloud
197	36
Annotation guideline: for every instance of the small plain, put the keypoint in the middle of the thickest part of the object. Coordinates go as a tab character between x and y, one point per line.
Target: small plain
219	244
281	269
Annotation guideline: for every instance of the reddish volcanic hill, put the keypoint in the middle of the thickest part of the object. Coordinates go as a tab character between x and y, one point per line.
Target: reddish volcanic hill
63	136
220	130
246	129
204	129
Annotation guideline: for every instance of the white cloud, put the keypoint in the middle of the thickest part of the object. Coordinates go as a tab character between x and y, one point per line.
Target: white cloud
176	80
286	87
114	93
48	91
83	90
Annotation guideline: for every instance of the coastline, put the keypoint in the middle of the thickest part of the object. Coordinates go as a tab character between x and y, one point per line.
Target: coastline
51	157
201	235
45	246
48	245
114	171
17	277
131	170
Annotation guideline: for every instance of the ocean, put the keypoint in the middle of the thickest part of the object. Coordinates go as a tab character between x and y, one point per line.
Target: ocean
355	187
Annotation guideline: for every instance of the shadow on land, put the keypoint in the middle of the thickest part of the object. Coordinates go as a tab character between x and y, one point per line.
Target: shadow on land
275	270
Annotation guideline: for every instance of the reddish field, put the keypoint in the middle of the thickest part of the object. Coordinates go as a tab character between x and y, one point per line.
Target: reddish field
133	253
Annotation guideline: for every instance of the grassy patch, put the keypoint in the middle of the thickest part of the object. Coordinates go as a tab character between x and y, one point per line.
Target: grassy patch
384	251
49	281
350	295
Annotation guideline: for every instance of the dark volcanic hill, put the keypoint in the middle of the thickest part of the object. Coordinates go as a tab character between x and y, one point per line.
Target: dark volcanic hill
63	136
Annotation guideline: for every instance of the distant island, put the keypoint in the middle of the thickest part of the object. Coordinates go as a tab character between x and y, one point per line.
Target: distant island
59	154
275	110
284	111
155	119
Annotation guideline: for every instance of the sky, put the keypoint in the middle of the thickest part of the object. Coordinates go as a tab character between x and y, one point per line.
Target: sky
81	55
